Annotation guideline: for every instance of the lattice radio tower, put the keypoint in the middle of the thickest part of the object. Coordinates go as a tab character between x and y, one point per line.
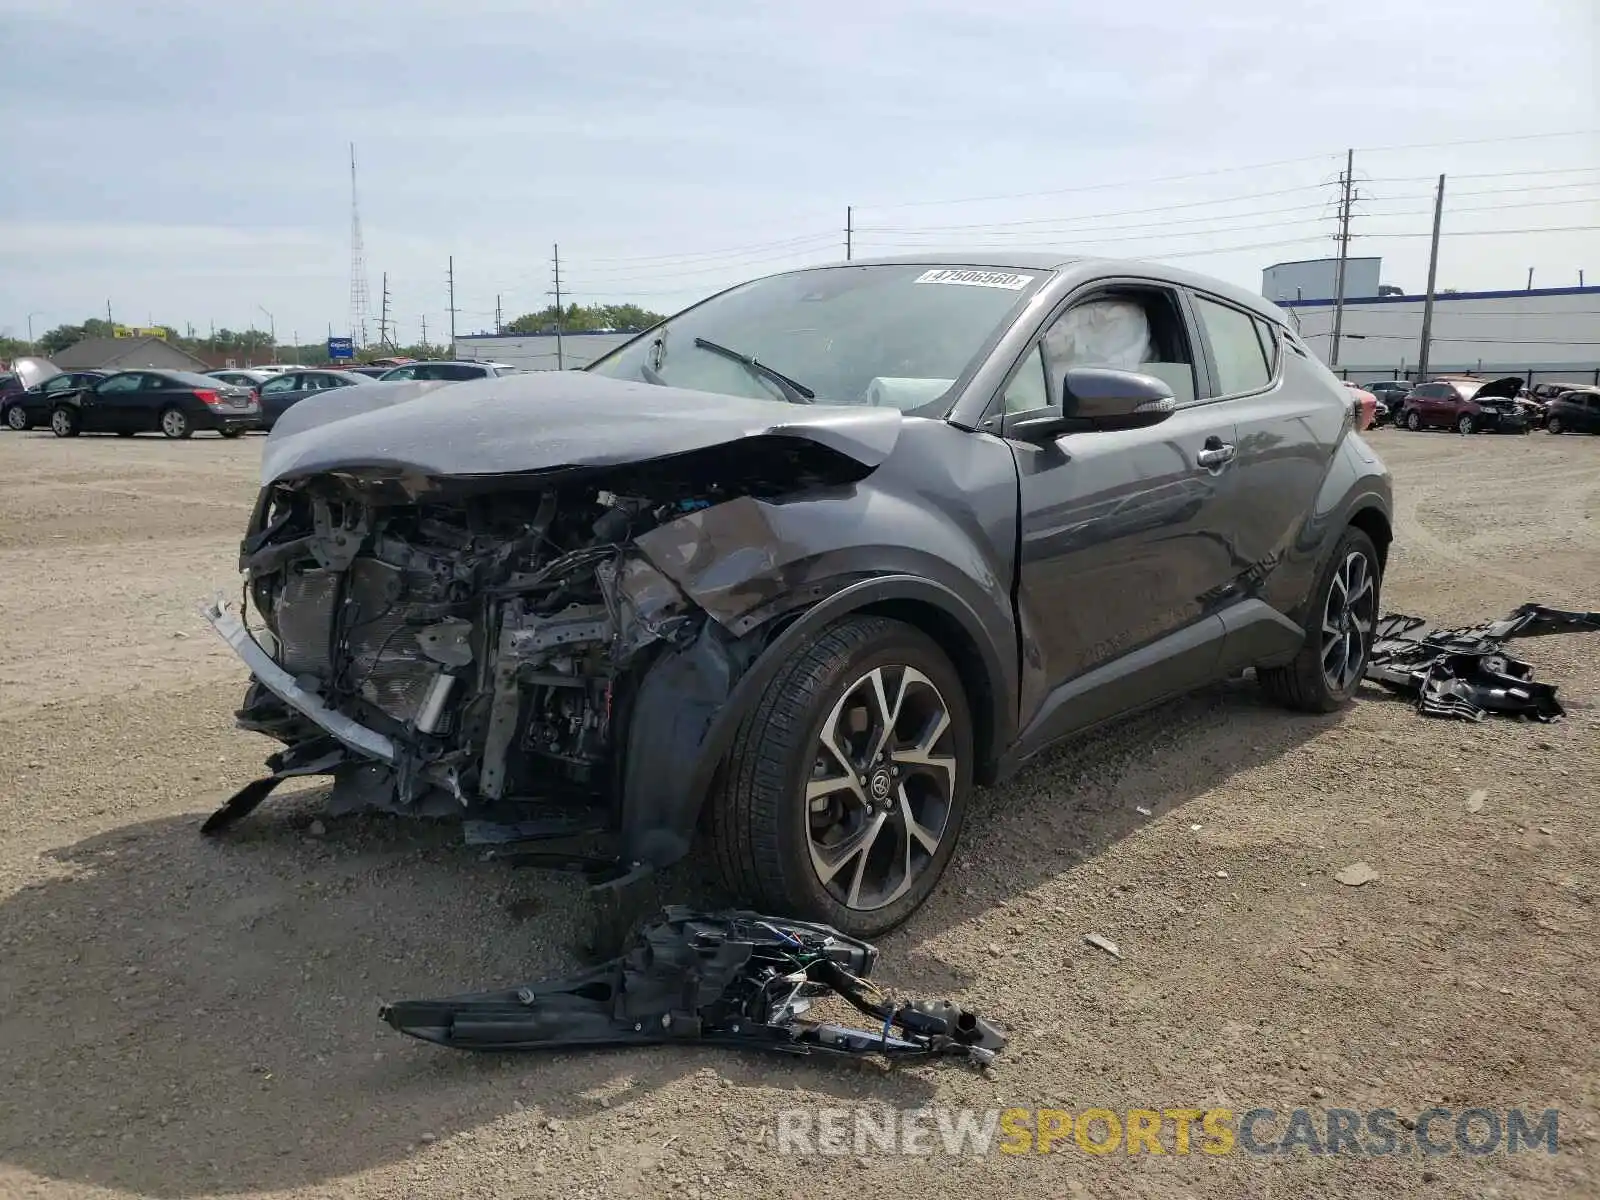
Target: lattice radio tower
360	302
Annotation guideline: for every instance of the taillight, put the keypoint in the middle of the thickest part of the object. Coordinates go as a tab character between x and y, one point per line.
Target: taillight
205	395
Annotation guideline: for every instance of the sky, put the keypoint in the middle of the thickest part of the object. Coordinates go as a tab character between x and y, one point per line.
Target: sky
188	162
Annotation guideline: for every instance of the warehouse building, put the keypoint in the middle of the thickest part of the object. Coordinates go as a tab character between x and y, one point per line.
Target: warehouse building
1544	334
538	351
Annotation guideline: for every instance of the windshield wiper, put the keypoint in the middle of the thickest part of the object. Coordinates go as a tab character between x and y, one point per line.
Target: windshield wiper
794	392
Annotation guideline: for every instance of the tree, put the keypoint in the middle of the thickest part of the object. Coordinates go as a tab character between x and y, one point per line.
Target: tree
579	318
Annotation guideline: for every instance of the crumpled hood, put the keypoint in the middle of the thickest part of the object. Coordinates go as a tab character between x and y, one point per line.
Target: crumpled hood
543	421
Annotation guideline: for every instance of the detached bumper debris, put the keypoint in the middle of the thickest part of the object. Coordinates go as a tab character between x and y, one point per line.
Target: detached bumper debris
724	979
1466	673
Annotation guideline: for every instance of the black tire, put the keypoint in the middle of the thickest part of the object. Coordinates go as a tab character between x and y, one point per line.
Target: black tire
124	433
766	826
17	419
1304	684
1553	425
1413	421
64	422
175	424
230	433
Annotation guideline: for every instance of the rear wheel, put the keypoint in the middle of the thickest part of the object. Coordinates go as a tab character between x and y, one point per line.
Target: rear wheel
846	787
64	422
17	418
175	423
1342	616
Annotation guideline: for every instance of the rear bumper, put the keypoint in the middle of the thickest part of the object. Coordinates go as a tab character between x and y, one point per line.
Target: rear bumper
212	419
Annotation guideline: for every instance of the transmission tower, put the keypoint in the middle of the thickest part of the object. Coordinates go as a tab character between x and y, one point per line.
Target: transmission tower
359	300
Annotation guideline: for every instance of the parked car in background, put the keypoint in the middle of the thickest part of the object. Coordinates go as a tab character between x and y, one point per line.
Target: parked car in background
1366	406
25	372
280	392
448	371
372	371
808	561
1389	392
1467	405
1576	410
175	403
29	408
1549	391
250	377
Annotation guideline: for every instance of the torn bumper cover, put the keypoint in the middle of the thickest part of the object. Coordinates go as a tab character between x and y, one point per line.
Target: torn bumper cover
1466	673
728	979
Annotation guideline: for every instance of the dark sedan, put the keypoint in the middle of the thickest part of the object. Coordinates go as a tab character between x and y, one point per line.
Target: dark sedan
281	392
1576	410
32	407
175	403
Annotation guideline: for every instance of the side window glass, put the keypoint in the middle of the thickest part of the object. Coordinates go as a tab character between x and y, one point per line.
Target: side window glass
155	383
278	383
1235	346
1133	330
1027	390
402	373
121	383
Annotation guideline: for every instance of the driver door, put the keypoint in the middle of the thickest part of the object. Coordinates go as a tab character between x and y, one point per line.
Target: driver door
1118	550
113	405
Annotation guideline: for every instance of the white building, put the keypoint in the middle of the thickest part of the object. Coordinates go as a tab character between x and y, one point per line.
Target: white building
538	351
1549	334
1318	279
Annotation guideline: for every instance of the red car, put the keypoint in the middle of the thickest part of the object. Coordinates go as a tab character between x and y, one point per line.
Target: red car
1467	405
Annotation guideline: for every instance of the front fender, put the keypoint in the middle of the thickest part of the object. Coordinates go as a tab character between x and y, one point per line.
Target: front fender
691	702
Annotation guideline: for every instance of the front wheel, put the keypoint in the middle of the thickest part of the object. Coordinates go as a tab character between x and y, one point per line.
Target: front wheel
1341	619
1553	425
1465	425
1413	421
175	423
64	422
846	787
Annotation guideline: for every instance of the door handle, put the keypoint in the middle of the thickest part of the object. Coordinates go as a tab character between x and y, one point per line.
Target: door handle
1216	454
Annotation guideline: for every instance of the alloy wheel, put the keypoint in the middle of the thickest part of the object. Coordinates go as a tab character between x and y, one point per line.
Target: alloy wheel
1464	424
1347	621
174	423
61	423
883	777
17	418
1413	422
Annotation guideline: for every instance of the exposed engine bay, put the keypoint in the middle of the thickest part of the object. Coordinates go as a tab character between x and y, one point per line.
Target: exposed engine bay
475	645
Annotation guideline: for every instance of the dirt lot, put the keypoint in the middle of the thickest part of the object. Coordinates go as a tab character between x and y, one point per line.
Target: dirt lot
181	1017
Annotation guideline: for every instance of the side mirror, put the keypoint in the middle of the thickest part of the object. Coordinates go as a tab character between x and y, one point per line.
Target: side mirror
1100	398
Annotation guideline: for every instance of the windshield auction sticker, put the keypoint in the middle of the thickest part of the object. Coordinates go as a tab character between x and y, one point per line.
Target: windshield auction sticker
992	279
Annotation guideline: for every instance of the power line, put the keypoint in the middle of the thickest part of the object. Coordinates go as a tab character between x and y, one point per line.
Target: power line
1516	137
687	256
1489	232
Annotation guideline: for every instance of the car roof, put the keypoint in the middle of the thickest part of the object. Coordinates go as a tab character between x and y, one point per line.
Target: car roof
1077	268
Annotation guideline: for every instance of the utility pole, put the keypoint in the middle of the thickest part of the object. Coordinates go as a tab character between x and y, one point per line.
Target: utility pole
1433	277
1530	279
849	230
561	363
424	332
272	326
450	275
383	318
109	321
1344	253
497	326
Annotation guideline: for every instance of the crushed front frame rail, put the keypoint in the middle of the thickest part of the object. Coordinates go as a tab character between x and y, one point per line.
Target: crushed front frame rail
727	979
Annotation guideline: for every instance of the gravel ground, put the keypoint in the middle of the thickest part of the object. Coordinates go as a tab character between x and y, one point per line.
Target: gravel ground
181	1017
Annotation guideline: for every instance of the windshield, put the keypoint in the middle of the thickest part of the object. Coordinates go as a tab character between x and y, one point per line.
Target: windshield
898	336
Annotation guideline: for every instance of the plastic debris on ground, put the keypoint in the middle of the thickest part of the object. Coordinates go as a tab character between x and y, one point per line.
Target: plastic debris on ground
1467	673
727	979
